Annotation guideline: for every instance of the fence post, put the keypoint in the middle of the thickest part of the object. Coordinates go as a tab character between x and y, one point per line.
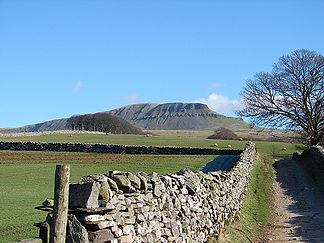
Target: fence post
61	203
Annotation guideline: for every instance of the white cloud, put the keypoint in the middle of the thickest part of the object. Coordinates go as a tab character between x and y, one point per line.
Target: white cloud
221	104
78	85
131	98
215	85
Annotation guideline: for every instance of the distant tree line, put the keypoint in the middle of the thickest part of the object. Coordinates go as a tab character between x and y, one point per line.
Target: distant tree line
102	122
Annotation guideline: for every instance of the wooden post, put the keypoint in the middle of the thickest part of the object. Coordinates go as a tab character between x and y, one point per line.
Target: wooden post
61	203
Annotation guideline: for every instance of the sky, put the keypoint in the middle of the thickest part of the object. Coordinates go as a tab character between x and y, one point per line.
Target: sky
61	58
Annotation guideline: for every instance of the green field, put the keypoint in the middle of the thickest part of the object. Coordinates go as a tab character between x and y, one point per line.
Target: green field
169	139
27	177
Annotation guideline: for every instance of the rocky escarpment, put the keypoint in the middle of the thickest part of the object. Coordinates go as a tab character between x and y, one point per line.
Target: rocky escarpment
181	207
175	116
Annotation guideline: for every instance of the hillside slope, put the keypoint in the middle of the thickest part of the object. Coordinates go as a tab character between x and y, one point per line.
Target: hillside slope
53	125
167	116
176	116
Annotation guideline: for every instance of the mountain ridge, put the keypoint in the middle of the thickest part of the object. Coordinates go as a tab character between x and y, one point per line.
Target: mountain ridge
155	116
175	116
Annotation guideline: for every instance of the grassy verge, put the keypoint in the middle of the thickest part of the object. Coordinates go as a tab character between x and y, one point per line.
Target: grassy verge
256	211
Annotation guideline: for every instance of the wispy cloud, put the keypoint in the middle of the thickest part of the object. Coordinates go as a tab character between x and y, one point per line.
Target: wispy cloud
78	85
215	85
131	98
221	104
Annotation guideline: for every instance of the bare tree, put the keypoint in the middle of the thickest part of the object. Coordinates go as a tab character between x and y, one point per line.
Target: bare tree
291	96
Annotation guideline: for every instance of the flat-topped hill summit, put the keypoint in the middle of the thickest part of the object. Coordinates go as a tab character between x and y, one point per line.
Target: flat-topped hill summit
166	116
175	116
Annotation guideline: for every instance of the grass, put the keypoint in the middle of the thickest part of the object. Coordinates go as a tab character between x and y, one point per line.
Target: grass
256	211
123	139
168	139
26	177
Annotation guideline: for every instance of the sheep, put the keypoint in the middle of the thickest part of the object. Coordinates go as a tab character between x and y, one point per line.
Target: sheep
284	149
229	146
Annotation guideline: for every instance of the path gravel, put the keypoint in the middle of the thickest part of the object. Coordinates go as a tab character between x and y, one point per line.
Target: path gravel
299	206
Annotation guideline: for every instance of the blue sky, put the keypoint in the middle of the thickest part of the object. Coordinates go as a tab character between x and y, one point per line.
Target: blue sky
60	58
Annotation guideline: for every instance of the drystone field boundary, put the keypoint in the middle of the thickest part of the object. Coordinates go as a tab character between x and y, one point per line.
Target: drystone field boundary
315	153
182	207
113	149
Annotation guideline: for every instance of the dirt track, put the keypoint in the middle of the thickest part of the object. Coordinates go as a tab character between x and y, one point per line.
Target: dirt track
299	206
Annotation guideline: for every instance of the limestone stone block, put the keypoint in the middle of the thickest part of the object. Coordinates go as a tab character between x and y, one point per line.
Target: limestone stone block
127	229
123	183
112	184
76	232
154	177
84	195
121	220
130	220
126	239
140	218
172	239
48	202
90	217
104	193
149	238
101	236
98	225
117	232
165	232
175	229
135	181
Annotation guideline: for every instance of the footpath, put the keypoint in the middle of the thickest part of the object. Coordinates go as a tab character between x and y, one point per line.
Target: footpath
299	206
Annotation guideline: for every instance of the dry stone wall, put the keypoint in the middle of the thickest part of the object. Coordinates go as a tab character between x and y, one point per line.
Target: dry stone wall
114	149
138	207
315	154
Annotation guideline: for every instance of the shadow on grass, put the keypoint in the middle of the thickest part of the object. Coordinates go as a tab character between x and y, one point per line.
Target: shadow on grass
222	162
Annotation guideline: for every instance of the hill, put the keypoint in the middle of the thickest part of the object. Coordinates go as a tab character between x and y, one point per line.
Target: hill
53	125
176	116
166	116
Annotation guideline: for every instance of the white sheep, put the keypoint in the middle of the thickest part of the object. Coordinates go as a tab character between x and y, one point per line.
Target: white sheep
229	146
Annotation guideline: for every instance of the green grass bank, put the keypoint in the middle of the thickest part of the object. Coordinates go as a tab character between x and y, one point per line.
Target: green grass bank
257	207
